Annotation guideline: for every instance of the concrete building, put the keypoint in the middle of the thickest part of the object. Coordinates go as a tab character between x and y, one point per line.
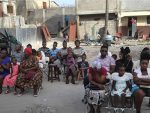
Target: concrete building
125	16
25	7
92	16
54	18
7	8
134	15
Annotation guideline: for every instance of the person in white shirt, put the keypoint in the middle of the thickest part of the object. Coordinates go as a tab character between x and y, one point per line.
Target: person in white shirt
142	78
121	87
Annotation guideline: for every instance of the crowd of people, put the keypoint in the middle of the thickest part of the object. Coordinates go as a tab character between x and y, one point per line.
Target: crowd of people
22	69
126	79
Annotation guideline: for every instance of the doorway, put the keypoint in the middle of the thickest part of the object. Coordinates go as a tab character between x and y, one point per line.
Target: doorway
132	26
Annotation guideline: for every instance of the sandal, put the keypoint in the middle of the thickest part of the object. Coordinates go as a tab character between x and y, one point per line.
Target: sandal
7	92
20	94
35	94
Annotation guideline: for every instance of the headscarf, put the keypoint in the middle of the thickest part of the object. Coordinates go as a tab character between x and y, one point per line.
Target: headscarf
96	64
28	51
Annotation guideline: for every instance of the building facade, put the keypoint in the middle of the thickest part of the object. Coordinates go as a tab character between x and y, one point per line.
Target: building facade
91	15
125	16
133	16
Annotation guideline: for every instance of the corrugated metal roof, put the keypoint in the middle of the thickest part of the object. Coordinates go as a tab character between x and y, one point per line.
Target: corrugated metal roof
135	5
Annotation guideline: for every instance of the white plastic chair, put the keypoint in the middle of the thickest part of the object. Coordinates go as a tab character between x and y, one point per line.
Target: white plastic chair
43	63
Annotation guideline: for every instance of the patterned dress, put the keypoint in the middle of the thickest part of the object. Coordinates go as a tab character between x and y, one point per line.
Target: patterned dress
32	77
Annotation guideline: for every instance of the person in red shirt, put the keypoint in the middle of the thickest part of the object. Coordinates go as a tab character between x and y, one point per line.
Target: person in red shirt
97	80
97	76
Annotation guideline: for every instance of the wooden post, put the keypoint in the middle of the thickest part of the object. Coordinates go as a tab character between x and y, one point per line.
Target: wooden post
106	19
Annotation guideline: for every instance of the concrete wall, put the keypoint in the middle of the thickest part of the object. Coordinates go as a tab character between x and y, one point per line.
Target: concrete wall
26	35
51	17
135	5
89	24
95	6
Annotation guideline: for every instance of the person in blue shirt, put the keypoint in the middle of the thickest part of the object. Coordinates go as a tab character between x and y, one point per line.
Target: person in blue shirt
4	66
54	51
55	56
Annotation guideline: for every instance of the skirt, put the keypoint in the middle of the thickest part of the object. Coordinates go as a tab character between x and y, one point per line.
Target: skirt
9	81
36	80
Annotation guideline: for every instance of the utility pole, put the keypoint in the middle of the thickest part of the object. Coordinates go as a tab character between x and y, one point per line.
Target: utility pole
106	19
77	19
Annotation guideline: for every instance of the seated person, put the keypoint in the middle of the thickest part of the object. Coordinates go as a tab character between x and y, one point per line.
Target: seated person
126	59
10	79
97	76
83	70
30	75
5	64
18	53
63	53
106	61
71	66
53	52
121	86
141	78
97	79
44	49
55	56
78	51
136	63
41	58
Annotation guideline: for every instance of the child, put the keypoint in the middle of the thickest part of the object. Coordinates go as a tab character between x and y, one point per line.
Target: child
71	68
114	56
83	69
120	87
10	79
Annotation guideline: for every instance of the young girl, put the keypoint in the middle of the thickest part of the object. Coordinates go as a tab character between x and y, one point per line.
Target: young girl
10	79
120	87
71	68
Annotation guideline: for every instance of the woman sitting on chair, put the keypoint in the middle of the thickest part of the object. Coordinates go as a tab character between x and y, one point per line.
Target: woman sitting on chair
30	75
97	79
97	76
142	80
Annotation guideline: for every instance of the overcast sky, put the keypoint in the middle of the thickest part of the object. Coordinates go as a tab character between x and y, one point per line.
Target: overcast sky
65	2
